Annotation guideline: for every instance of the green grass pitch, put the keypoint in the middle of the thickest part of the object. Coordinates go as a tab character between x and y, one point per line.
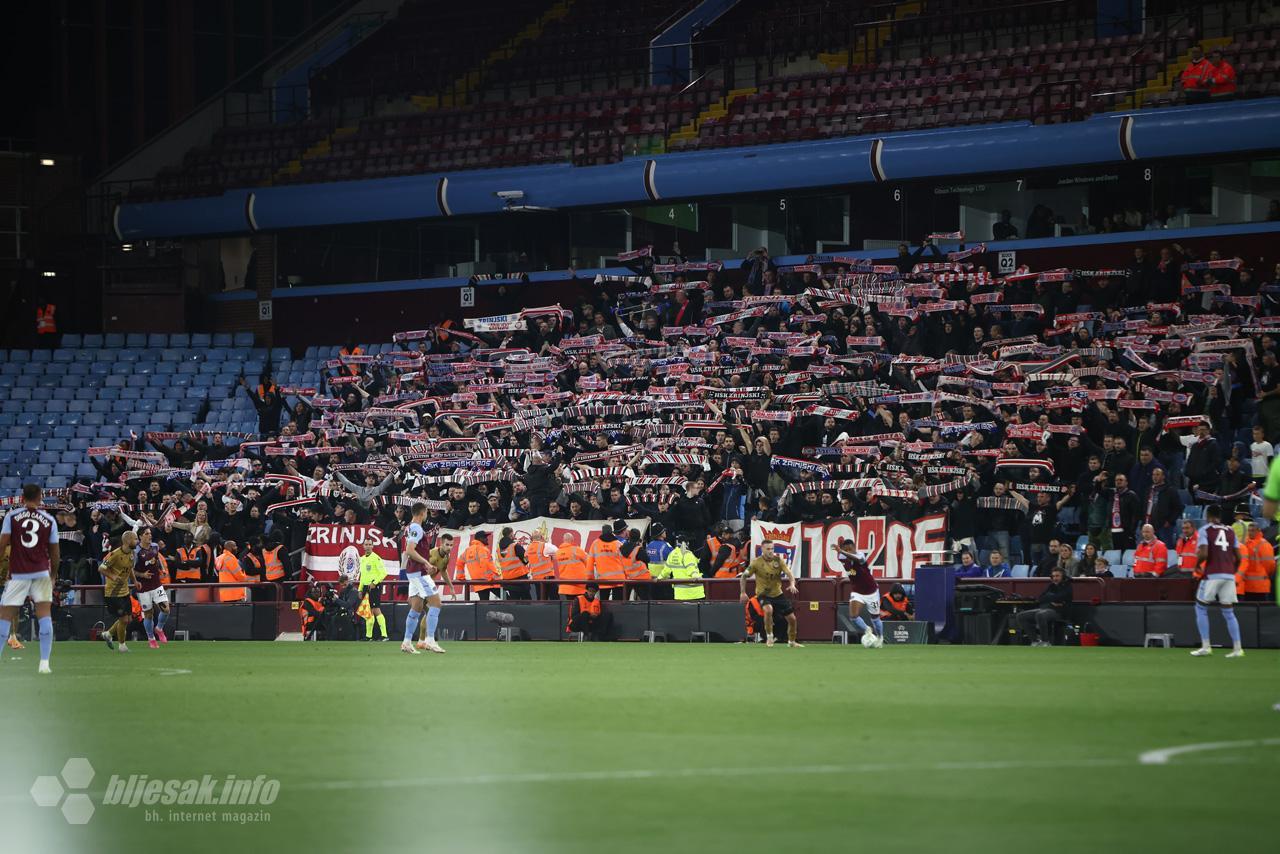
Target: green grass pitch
567	748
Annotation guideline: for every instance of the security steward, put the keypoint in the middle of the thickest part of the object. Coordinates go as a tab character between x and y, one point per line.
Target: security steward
587	615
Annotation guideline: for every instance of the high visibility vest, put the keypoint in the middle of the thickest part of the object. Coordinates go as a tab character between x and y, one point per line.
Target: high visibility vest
275	567
188	556
540	564
733	563
1257	565
263	389
45	324
228	566
1151	559
636	569
354	351
254	569
477	563
572	564
607	560
164	569
752	612
591	607
682	564
1186	548
513	568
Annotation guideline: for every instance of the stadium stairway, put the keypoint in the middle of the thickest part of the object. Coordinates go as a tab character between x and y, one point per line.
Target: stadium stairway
874	40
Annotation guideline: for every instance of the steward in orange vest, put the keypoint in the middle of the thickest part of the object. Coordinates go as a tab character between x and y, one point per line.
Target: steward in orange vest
312	608
587	615
608	563
45	323
541	566
636	569
1257	566
572	564
478	565
754	612
272	563
351	350
1186	548
727	557
895	605
229	572
1151	559
514	565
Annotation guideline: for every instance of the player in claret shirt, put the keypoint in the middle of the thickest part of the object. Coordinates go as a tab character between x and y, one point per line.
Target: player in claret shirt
151	593
866	593
1217	557
32	538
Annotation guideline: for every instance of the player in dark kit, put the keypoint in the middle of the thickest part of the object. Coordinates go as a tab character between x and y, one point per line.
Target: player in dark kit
31	535
1217	557
769	571
152	596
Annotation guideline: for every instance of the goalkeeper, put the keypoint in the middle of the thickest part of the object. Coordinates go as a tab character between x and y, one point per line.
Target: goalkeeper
372	573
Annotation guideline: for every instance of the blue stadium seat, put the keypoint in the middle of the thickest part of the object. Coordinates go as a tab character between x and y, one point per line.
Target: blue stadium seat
223	339
166	405
100	369
92	420
64	393
63	434
42	355
123	368
181	380
19	356
135	339
188	368
164	369
243	339
117	381
92	341
24	381
55	406
78	406
113	339
66	470
41	431
157	339
180	340
85	357
1113	557
11	444
171	355
86	469
6	381
201	340
55	370
70	340
41	470
76	369
144	405
145	368
64	357
128	356
7	419
159	381
20	394
72	419
79	443
10	484
25	419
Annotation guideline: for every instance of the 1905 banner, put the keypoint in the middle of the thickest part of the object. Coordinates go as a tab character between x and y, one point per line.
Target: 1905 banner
895	549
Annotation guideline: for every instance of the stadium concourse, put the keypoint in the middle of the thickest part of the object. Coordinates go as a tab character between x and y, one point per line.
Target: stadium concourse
1048	416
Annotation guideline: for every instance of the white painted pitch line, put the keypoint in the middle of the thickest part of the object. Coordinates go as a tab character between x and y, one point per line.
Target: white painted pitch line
1164	754
622	775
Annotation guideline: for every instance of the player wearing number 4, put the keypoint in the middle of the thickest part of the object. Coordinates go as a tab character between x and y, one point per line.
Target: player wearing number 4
1216	555
422	586
865	595
31	535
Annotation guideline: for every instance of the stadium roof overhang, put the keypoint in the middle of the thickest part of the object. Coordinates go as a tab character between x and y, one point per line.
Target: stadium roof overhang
1108	138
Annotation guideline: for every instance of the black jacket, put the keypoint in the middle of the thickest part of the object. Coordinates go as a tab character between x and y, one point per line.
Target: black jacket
1056	596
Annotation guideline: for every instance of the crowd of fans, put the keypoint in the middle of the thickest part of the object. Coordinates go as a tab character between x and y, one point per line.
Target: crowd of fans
1030	409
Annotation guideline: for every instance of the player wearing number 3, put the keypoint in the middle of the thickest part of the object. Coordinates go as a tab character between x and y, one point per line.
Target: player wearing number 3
1216	555
32	538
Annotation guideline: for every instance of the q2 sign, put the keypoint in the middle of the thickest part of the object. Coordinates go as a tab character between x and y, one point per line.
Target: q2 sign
895	549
